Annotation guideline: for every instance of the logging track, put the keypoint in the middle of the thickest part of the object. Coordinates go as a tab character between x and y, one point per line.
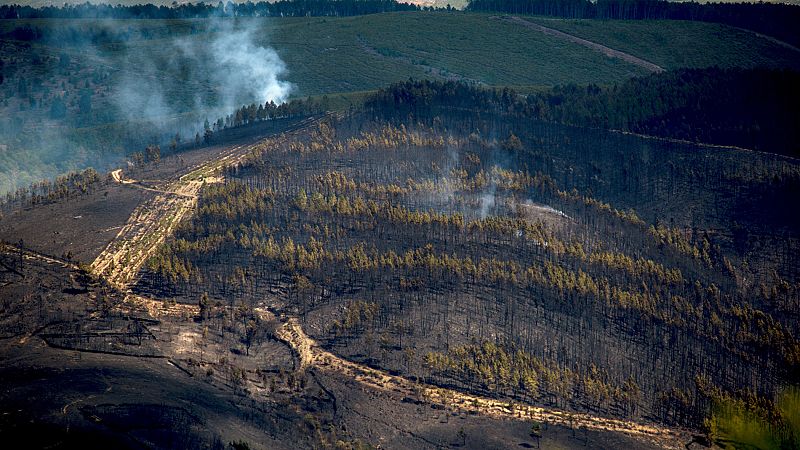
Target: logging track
608	51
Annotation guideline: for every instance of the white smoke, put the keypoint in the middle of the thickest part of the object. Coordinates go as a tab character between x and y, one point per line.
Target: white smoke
146	80
228	69
487	200
246	68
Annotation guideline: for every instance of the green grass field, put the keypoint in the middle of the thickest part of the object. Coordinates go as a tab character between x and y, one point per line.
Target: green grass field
329	55
675	43
368	52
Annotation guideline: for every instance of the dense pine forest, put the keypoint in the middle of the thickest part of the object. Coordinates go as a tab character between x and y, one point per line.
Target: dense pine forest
524	260
752	109
282	8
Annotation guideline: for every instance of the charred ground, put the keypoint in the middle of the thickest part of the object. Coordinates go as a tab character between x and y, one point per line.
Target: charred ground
89	363
424	271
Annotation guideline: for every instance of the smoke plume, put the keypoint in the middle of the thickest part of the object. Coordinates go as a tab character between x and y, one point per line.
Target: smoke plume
228	70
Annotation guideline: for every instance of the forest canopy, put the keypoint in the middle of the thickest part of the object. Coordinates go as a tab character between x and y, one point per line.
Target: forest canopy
753	109
282	8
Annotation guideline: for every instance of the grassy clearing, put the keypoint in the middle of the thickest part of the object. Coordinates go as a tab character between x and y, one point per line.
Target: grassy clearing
399	46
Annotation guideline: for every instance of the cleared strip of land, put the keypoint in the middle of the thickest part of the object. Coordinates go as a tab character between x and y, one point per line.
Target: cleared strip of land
154	220
608	51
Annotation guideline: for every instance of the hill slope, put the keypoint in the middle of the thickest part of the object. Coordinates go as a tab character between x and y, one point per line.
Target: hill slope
677	43
84	65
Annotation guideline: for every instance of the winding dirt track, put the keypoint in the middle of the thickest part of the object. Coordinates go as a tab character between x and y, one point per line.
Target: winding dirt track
153	221
608	51
311	355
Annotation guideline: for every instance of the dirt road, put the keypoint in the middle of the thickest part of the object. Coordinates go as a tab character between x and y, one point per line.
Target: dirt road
154	220
610	52
311	355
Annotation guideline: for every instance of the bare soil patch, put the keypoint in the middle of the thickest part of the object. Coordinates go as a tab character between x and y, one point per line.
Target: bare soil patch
81	226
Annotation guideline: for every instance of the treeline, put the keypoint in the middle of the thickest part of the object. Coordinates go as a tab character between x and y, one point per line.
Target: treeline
47	191
249	115
773	19
62	36
282	8
750	108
